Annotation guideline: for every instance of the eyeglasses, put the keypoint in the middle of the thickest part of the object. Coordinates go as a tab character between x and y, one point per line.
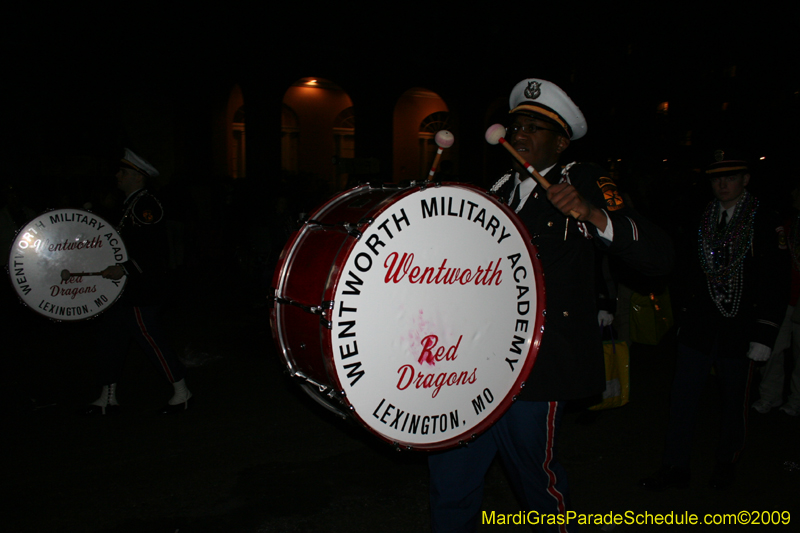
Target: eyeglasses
530	128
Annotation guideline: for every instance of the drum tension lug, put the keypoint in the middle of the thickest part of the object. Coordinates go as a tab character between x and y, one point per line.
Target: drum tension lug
352	231
325	306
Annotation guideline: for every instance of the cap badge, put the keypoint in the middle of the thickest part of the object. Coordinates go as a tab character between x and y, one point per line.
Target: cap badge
533	90
719	155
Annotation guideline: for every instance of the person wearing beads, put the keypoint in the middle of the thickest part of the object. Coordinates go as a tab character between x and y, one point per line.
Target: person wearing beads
733	305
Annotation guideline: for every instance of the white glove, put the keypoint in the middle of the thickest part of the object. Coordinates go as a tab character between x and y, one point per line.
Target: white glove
604	318
758	352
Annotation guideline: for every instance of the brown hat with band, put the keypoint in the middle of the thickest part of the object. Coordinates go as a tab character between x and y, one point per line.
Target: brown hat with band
726	164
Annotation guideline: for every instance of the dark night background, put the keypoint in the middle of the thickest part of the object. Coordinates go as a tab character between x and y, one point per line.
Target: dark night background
254	454
79	79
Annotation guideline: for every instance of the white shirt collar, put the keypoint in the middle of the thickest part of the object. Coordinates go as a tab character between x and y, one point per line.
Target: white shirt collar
527	186
730	211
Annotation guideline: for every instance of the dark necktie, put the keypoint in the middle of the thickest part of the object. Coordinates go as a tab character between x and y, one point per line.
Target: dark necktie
515	201
722	222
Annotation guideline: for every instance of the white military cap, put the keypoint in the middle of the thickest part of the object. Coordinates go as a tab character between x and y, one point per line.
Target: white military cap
139	164
546	99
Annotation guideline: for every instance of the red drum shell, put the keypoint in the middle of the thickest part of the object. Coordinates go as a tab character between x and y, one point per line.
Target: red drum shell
421	362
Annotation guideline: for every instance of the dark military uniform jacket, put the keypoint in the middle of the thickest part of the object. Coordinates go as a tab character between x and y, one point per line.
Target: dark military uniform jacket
569	364
143	230
763	299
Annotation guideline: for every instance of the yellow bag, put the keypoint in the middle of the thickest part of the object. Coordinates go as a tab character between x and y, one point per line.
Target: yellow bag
617	375
651	317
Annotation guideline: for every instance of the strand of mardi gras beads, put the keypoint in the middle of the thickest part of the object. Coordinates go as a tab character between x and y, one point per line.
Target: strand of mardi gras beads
722	252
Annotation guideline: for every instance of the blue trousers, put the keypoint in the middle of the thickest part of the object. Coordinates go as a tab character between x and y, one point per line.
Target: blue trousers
525	438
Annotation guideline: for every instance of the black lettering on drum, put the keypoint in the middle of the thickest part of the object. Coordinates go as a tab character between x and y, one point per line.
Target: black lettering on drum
347	324
397	220
353	371
363	262
397	417
346	351
424	424
493	225
503	235
429	210
445	204
351	284
373	241
76	217
414	426
481	217
515	345
60	310
21	278
478	404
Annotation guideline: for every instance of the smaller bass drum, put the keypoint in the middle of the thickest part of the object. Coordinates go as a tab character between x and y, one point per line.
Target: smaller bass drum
55	261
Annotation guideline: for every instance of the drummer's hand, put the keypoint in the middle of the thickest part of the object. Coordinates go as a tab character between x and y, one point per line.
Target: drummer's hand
113	272
569	201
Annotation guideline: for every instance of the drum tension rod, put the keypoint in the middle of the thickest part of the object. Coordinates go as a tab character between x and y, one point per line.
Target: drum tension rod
349	228
313	309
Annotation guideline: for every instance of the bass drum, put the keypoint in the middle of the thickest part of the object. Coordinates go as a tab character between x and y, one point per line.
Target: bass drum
71	240
417	311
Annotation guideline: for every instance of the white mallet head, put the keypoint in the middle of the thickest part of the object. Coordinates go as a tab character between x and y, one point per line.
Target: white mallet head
444	139
495	133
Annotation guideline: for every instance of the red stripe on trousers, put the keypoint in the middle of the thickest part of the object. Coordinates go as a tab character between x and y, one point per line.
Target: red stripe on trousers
551	487
153	344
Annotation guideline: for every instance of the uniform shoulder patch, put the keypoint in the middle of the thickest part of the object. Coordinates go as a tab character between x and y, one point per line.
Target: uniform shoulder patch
147	210
611	194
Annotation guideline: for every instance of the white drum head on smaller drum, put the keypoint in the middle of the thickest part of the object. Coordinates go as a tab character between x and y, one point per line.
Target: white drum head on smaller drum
73	240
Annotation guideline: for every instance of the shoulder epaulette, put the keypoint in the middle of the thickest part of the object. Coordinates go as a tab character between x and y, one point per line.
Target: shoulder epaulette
143	210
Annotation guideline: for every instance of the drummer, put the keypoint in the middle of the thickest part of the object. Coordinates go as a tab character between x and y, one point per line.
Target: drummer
580	213
136	314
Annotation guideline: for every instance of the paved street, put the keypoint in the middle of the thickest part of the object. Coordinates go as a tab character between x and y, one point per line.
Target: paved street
254	454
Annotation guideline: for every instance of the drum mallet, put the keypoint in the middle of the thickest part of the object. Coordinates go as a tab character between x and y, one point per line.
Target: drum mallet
496	134
66	274
444	139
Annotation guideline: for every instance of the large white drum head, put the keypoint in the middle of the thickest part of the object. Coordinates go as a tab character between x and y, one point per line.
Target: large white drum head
66	239
437	317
